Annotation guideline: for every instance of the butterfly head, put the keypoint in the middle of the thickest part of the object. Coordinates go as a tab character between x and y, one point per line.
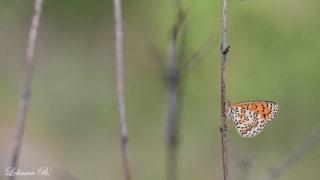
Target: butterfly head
227	107
227	104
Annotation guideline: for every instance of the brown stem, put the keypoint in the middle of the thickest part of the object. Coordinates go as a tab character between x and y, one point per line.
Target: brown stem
119	81
223	127
25	94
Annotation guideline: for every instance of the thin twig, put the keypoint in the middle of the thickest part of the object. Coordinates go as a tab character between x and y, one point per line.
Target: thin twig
181	17
196	56
119	79
25	94
156	56
295	155
223	127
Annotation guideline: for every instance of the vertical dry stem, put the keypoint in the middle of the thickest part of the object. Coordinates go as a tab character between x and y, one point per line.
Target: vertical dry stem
119	81
26	85
223	127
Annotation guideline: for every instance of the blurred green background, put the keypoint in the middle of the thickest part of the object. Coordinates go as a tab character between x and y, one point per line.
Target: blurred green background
72	120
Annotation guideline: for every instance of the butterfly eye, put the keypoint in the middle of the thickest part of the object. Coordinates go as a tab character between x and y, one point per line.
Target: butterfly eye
228	104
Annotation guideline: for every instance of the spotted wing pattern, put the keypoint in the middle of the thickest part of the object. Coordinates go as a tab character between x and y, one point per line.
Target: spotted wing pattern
250	117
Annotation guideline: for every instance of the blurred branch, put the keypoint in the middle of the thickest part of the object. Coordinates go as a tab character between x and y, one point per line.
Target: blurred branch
295	155
25	94
120	88
156	56
173	109
173	79
181	16
223	127
196	56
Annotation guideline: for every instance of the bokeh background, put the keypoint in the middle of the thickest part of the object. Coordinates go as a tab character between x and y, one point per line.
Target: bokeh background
72	120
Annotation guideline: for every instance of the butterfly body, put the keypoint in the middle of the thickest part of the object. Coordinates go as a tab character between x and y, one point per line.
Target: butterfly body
250	117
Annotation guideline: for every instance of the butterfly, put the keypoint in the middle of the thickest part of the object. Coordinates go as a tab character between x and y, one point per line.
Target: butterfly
250	117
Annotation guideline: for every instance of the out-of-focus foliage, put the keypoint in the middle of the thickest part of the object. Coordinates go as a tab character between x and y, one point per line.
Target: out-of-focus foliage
72	123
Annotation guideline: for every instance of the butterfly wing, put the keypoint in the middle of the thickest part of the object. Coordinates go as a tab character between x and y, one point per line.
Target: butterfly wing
250	117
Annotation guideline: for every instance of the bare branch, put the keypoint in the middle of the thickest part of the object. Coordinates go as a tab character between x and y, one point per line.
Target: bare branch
196	56
156	56
173	78
181	17
25	94
120	88
223	127
295	155
173	96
